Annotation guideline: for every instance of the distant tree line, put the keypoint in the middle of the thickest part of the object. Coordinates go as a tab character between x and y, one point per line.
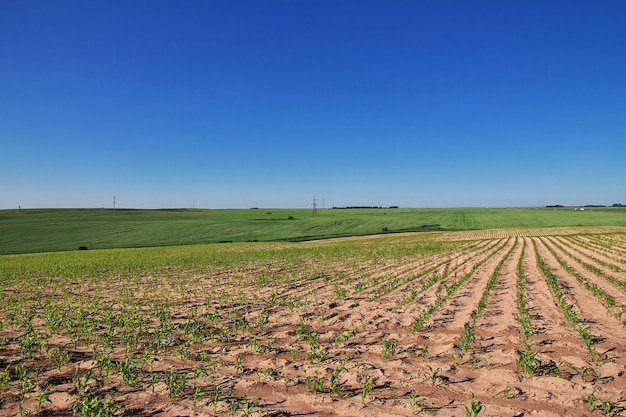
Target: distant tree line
364	207
590	205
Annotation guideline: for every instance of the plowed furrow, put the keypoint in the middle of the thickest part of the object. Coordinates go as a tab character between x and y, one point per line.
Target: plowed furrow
591	312
446	323
553	337
498	333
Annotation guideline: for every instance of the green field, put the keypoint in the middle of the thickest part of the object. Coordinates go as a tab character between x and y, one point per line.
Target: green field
44	230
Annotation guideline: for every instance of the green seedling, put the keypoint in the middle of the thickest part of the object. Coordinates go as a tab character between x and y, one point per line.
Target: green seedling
367	387
416	399
389	347
474	409
175	384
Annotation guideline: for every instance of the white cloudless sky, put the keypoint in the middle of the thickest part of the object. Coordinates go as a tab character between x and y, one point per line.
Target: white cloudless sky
225	104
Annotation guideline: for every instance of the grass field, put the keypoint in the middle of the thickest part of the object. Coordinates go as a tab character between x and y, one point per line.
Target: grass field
44	230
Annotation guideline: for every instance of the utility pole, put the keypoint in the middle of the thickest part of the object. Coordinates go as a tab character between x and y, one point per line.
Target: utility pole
314	205
113	207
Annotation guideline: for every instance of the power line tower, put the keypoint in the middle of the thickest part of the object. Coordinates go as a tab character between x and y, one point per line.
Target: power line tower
314	205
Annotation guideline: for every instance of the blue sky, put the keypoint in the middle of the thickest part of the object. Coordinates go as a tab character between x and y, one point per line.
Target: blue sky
269	103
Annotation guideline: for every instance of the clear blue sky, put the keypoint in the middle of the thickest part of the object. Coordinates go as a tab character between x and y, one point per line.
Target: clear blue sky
269	103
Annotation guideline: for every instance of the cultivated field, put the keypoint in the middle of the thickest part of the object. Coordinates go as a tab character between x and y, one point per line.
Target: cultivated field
495	323
51	230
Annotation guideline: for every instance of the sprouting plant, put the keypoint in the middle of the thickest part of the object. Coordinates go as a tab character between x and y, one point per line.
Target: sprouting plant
254	344
263	319
591	400
340	293
270	344
90	405
529	362
286	380
60	357
389	347
81	384
214	364
474	361
175	383
31	343
319	384
509	392
336	387
608	408
367	387
199	371
42	397
234	406
5	377
129	369
434	374
22	411
249	404
198	392
238	365
294	351
466	338
267	373
416	399
217	397
474	408
153	378
583	372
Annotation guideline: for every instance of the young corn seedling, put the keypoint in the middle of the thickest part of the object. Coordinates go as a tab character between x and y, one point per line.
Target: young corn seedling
254	344
434	374
5	377
467	337
198	392
92	405
294	350
217	397
367	387
238	365
510	392
42	397
416	399
319	384
234	407
60	357
175	384
248	404
389	347
129	369
528	361
335	386
474	408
